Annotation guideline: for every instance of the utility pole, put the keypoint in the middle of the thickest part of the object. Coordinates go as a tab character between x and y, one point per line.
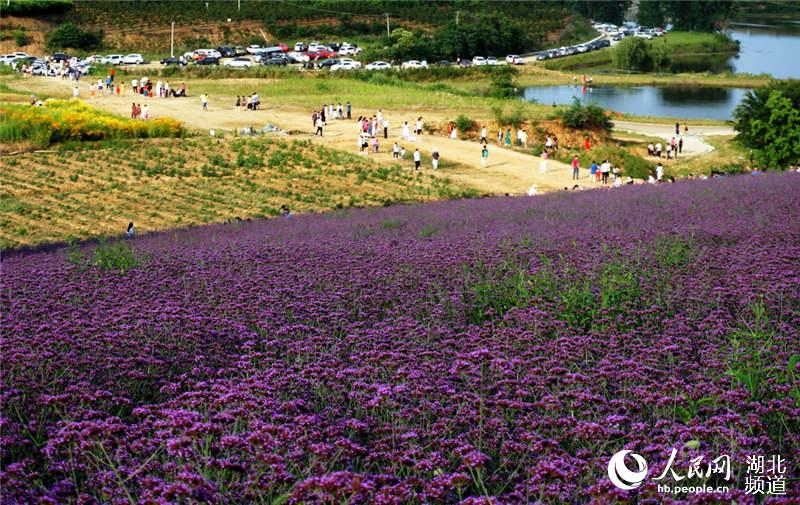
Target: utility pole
457	13
388	33
172	41
239	5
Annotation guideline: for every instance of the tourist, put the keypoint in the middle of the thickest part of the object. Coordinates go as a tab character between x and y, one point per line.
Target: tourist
659	171
483	134
548	143
395	151
543	162
523	138
406	131
454	133
385	124
508	137
145	112
133	110
238	104
575	168
314	117
500	136
680	145
484	156
348	109
319	124
435	159
605	169
375	145
669	150
285	212
555	143
417	159
677	128
204	102
131	231
587	144
402	152
593	170
418	126
75	91
658	149
651	150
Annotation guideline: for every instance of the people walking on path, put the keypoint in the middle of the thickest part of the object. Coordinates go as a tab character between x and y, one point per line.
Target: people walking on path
484	156
417	159
593	171
543	162
454	133
575	167
605	169
483	134
395	151
406	131
319	126
508	137
204	102
349	108
659	171
435	159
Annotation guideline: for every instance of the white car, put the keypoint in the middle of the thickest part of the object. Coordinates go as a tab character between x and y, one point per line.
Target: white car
349	49
478	60
298	56
643	35
113	59
300	47
238	63
253	48
414	64
378	65
315	47
511	58
133	59
346	64
491	60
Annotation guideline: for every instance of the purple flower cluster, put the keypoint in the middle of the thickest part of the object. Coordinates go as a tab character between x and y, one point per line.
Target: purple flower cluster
485	351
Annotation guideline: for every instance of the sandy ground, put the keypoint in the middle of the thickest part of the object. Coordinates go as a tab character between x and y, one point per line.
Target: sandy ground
507	171
693	142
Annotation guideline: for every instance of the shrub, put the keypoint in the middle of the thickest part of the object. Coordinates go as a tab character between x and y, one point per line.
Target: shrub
21	37
30	7
463	123
515	118
69	35
590	116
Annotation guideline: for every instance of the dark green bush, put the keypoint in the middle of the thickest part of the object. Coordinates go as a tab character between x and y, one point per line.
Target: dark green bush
590	116
70	36
463	123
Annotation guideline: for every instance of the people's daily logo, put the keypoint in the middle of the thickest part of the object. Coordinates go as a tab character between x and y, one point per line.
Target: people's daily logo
621	475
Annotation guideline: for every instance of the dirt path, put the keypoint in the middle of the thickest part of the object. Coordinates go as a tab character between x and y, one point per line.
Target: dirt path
693	142
508	170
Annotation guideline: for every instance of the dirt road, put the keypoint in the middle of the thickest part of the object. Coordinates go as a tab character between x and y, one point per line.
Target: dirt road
693	142
507	171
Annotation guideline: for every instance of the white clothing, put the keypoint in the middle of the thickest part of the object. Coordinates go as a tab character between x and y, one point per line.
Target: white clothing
416	156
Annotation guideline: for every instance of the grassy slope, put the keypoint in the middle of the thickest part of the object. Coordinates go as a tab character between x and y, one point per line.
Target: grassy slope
160	184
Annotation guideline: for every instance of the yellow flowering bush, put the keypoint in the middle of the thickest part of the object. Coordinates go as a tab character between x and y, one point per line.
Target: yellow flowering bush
60	120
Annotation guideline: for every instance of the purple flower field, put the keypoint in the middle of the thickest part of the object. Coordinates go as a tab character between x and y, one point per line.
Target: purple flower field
479	351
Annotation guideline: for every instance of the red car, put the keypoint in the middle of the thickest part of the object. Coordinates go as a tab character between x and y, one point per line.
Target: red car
284	47
323	54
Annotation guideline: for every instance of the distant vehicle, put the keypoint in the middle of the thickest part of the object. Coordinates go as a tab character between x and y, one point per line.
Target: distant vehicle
542	56
316	47
643	35
491	60
517	60
240	62
298	57
300	47
478	61
378	65
334	46
227	51
208	60
414	64
133	59
346	65
510	58
111	59
64	57
349	49
583	48
465	63
321	54
327	63
253	48
617	37
172	60
275	60
443	63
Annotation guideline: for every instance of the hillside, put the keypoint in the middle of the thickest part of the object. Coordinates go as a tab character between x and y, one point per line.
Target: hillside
441	353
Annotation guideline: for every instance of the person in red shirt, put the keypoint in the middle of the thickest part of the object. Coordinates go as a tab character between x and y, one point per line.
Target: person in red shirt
586	144
575	168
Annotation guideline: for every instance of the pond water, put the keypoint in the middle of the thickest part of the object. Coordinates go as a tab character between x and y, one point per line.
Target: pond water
679	102
767	48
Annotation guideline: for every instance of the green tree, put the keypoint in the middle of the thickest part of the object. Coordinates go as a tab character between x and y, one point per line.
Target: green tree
590	116
69	35
634	53
651	13
768	122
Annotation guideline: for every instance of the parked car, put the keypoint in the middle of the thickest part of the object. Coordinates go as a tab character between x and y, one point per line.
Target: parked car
300	47
321	54
208	60
510	58
253	48
240	62
643	35
617	37
133	59
491	60
275	60
517	60
346	65
414	64
349	49
226	51
172	60
298	57
542	56
378	65
111	59
64	57
443	63
478	61
465	63
327	63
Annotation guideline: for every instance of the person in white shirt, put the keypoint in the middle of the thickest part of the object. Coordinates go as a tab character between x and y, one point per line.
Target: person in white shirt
533	191
319	127
406	132
395	151
523	138
605	169
659	171
454	133
658	149
75	91
483	134
379	115
419	126
417	159
435	159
